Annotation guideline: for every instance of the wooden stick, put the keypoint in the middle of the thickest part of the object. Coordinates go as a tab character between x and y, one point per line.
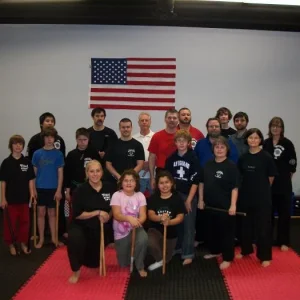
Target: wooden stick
164	250
56	223
132	249
34	225
225	210
103	250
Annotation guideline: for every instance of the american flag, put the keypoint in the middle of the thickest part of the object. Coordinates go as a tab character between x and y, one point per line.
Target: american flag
133	83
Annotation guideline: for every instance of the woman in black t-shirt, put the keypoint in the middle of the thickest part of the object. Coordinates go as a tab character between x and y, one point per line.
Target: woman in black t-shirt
219	189
165	207
283	152
91	205
257	169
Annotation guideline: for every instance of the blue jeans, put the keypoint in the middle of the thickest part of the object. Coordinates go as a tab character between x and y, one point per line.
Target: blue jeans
145	185
186	231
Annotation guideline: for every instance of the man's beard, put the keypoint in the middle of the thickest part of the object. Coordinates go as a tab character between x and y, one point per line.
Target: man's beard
185	122
214	135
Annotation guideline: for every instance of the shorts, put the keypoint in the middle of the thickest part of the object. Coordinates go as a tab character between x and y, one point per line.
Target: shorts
46	198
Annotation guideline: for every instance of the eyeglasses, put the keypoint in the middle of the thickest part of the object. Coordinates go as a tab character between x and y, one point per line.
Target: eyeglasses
213	126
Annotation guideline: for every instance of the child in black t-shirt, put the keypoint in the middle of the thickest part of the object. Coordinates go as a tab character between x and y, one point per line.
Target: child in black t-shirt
165	207
219	189
17	188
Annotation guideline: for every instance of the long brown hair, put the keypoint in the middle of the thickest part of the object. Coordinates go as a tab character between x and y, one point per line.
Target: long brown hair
278	122
135	176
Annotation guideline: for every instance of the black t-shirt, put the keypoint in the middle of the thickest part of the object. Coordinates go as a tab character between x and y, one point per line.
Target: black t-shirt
74	170
285	159
255	170
87	199
227	132
219	179
37	142
172	206
17	173
124	154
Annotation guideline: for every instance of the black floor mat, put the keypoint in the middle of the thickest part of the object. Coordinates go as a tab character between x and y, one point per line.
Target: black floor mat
200	280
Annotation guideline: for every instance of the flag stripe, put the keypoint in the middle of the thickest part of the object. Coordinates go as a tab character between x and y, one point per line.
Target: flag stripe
150	59
151	63
132	107
143	95
133	99
154	83
158	75
161	80
139	91
146	71
151	67
129	87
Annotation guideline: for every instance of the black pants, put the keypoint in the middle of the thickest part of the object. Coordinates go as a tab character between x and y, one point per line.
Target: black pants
257	223
282	205
221	232
83	247
201	226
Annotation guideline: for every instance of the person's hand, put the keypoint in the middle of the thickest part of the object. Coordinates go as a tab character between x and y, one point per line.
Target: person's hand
58	196
165	219
152	181
3	203
103	216
201	204
146	166
188	206
33	199
232	210
134	222
101	153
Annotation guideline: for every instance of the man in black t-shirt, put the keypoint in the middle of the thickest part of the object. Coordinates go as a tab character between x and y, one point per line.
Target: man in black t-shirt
125	153
224	115
101	137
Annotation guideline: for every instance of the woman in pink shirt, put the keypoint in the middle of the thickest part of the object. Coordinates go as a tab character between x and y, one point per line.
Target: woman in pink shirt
129	211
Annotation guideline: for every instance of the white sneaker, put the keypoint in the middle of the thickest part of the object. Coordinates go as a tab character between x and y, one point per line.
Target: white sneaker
155	266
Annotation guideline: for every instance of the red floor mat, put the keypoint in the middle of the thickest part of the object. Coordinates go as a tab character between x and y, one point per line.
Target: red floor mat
247	280
51	281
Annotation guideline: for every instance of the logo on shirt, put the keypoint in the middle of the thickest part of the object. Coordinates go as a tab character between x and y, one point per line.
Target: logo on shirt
57	144
251	168
106	197
219	174
164	210
86	161
24	168
131	152
193	143
278	149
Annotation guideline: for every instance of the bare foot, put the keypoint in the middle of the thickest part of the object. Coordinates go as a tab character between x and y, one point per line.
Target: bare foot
40	244
75	277
143	273
12	250
265	263
284	248
25	249
187	261
210	256
239	256
224	265
59	244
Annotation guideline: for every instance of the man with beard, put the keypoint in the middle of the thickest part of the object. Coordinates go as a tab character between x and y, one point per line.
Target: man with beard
204	151
47	120
126	153
224	115
162	144
240	121
185	118
101	137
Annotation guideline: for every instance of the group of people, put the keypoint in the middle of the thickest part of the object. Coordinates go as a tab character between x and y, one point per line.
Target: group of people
176	177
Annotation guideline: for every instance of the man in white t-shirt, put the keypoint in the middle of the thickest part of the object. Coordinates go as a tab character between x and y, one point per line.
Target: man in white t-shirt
144	137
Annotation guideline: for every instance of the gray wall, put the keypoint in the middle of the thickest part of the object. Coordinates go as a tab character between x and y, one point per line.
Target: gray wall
46	68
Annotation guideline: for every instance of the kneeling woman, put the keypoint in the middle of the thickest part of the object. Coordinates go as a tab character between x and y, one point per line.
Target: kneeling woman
90	207
219	189
129	211
165	208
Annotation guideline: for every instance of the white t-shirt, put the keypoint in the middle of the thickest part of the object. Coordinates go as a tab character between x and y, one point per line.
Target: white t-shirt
145	141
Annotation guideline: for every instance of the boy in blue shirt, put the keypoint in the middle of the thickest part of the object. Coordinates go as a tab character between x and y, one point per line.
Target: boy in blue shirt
48	165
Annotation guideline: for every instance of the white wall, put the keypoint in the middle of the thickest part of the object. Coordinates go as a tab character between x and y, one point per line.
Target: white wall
46	68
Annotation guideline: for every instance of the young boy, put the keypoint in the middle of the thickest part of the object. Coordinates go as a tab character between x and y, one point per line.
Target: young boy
48	165
224	115
77	159
184	166
17	187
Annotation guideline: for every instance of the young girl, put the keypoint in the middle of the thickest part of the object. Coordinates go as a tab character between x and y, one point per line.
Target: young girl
17	186
165	208
257	170
129	211
219	189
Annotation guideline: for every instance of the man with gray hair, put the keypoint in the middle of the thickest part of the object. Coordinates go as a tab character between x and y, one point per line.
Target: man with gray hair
144	137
